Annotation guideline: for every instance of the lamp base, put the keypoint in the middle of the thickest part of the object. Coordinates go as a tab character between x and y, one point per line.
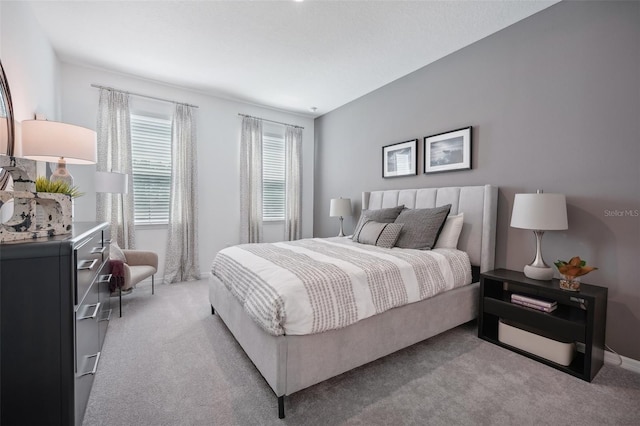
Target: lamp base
61	173
538	273
341	234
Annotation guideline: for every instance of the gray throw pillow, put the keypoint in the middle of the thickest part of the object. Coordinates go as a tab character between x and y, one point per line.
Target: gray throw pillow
387	215
379	234
421	227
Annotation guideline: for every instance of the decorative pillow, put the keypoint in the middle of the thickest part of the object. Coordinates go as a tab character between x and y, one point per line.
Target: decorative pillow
421	227
116	253
450	232
379	234
387	215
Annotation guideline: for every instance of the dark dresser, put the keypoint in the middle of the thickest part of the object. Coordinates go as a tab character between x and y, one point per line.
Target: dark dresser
54	311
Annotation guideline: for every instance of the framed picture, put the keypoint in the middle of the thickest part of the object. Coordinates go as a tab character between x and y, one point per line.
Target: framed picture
400	159
448	151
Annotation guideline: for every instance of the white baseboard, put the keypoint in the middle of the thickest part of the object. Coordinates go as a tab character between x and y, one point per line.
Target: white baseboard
624	362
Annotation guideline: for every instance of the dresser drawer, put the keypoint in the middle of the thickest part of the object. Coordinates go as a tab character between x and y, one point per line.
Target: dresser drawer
88	256
102	282
87	346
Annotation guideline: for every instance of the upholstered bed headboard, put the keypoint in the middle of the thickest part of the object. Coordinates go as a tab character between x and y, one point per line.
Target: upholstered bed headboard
479	204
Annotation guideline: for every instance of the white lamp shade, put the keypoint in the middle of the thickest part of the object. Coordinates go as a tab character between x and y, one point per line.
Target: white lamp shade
112	182
540	212
44	140
340	207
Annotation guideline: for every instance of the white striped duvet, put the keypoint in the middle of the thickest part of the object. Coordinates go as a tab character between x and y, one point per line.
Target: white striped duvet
314	285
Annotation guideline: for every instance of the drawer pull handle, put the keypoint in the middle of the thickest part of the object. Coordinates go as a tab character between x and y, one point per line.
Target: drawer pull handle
95	312
108	318
87	264
95	365
107	241
98	250
104	279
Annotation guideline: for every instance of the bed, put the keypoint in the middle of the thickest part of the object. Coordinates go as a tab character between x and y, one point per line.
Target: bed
290	363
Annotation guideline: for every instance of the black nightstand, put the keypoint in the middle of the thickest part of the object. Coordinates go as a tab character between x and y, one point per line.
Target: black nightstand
580	317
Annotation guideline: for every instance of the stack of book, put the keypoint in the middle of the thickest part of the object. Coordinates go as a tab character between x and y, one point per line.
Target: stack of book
544	305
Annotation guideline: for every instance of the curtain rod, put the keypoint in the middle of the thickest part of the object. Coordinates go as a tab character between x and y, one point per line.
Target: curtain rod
143	96
271	121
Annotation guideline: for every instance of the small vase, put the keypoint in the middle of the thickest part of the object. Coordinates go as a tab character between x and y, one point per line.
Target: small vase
568	282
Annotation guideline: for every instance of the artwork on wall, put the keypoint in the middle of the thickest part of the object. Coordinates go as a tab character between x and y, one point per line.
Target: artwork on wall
448	151
400	159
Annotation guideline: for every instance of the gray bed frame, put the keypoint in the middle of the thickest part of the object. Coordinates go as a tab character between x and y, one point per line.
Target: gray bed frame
292	363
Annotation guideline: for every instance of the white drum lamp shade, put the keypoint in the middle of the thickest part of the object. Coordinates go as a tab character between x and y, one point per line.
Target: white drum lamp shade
539	212
52	141
340	207
112	182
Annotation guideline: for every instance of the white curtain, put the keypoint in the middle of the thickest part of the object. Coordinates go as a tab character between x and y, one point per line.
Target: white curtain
182	263
251	181
293	187
114	154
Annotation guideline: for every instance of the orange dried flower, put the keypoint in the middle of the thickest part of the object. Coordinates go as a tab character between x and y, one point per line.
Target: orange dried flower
576	267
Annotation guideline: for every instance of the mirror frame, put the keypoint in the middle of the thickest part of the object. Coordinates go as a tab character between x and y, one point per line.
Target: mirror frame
5	98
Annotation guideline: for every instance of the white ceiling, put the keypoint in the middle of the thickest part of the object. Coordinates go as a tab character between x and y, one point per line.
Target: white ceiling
282	54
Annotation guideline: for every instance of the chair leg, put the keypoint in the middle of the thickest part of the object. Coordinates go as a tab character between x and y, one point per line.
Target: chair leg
120	297
153	289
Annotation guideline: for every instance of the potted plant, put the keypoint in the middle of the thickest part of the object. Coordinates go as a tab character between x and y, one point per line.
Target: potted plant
57	186
571	272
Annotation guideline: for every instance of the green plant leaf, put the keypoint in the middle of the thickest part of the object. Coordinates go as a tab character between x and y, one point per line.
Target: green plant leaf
59	187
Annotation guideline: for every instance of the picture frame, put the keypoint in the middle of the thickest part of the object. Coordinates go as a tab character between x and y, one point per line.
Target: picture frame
448	151
400	159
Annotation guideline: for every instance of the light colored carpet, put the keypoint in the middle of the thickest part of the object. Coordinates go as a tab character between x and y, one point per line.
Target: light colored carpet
168	361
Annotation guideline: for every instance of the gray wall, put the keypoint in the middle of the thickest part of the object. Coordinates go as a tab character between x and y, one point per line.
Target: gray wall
554	102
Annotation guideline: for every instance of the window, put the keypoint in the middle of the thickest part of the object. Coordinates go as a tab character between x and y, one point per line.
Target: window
273	185
151	158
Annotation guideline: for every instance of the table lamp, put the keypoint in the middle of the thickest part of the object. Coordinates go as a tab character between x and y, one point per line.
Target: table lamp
115	183
539	212
340	207
51	141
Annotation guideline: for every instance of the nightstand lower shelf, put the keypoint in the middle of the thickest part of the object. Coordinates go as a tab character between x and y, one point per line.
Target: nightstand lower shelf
576	367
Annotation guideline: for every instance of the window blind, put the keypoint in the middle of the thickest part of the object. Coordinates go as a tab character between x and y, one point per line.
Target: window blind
151	164
273	185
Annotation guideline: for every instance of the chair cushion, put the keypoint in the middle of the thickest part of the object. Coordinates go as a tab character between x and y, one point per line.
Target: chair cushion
137	274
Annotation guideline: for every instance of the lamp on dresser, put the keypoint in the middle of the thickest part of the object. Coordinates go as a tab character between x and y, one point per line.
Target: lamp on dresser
340	207
44	140
115	183
539	212
51	141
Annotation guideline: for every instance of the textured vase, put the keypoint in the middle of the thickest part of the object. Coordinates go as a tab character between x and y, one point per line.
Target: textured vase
570	283
25	223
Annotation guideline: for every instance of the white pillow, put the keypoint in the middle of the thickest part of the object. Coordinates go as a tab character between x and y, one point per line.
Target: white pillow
450	233
116	253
